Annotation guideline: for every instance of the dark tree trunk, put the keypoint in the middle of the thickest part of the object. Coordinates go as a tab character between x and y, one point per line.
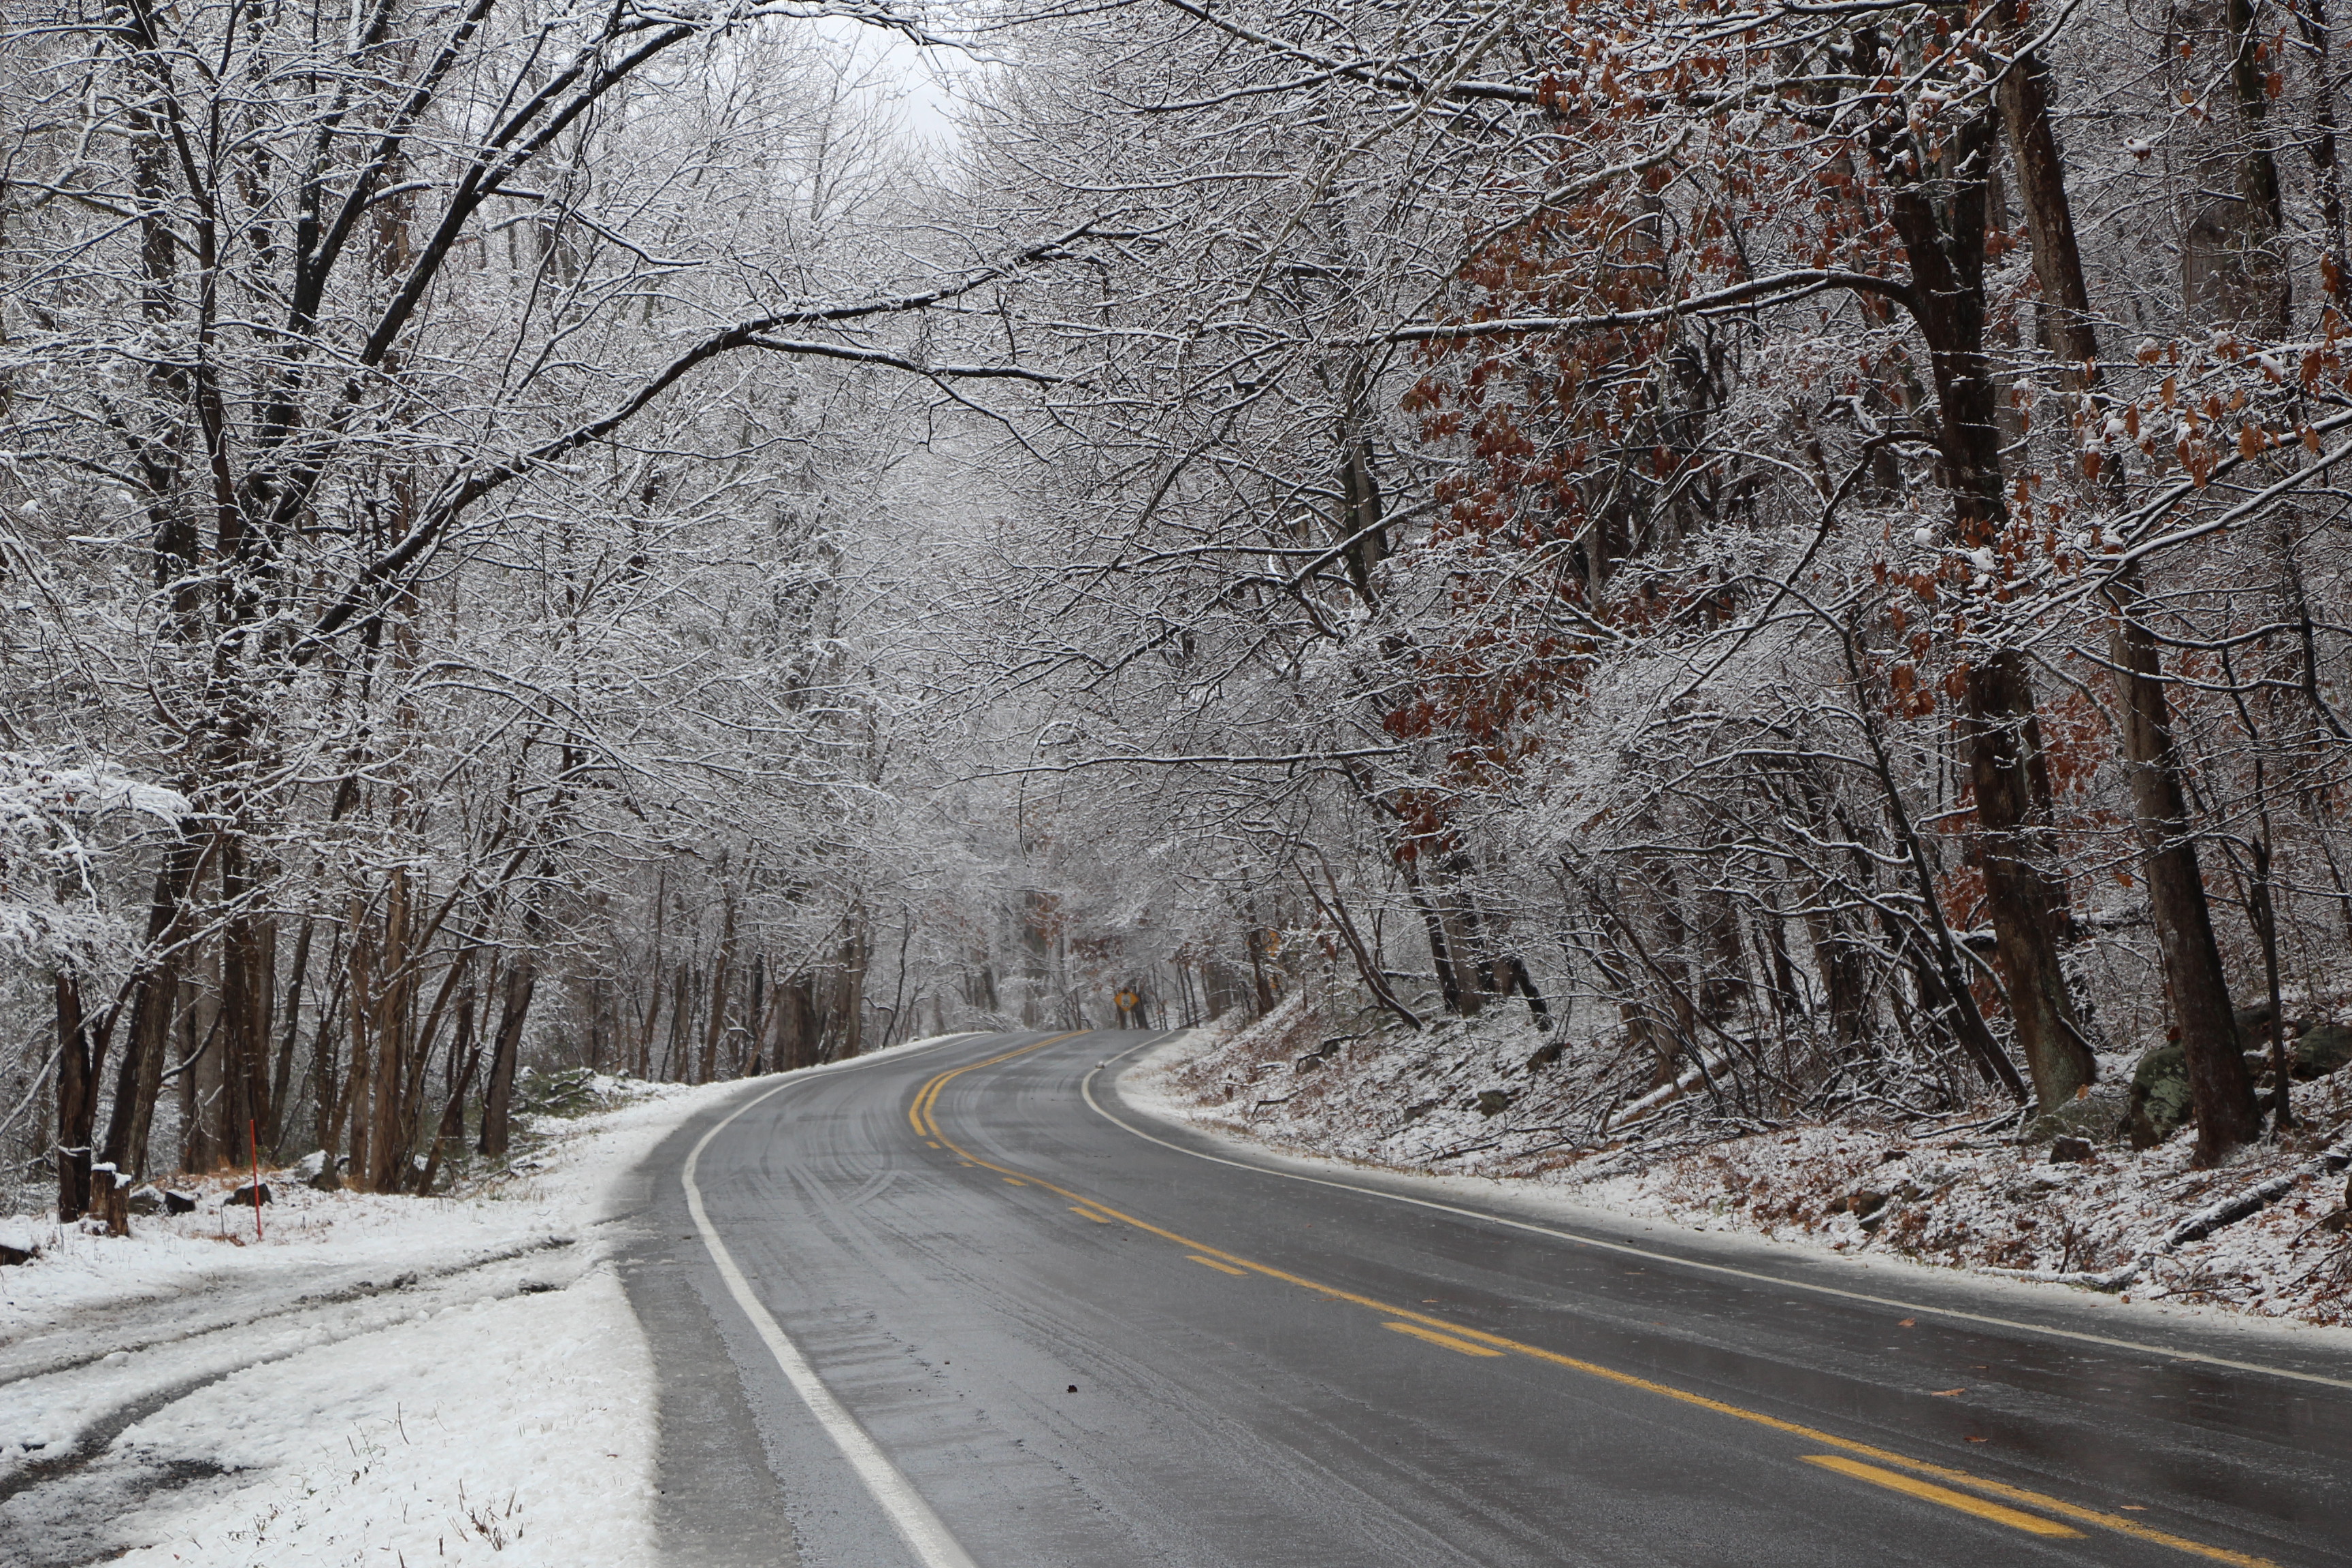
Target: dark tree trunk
2312	16
1253	941
1361	528
2000	734
714	1027
154	994
206	1143
1841	953
389	1127
797	1023
359	1007
755	1015
2218	1085
81	1056
327	1084
248	993
1723	980
1940	970
1512	970
1441	955
462	1049
681	1020
2224	1095
854	957
2028	904
650	1023
281	1078
2231	267
1474	964
497	1098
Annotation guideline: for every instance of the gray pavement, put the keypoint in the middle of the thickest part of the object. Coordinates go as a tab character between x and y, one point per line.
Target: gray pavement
1083	1347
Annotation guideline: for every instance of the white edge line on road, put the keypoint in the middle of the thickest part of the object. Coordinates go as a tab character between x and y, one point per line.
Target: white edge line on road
1087	1088
909	1515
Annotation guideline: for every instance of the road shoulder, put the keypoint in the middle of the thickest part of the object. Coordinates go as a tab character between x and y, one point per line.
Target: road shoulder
1138	1083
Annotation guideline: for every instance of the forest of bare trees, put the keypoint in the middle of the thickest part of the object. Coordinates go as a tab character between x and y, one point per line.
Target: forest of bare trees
1795	544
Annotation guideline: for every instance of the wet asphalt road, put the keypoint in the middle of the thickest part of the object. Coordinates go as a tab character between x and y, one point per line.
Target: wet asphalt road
1269	1370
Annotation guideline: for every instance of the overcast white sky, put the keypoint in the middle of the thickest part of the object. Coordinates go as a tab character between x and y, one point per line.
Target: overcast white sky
926	80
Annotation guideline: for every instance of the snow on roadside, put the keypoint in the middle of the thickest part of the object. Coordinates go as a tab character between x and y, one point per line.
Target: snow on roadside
457	1417
345	1410
1941	1192
517	1430
554	1186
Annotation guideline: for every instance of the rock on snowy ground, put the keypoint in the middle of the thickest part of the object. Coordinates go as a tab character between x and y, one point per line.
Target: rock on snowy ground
1949	1191
373	1379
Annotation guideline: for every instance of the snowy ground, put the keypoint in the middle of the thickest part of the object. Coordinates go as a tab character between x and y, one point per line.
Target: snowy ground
376	1379
1946	1193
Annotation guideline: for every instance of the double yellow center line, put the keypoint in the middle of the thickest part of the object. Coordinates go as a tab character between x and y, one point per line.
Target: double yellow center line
919	1115
1897	1472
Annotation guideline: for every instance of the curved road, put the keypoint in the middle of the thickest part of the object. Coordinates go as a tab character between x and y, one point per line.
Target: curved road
1031	1328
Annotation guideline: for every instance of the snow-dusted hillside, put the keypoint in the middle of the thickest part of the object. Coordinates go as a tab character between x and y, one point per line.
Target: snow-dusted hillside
1955	1191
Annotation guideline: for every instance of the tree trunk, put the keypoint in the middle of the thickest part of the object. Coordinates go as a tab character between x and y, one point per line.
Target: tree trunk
413	1087
2028	904
2218	1085
853	958
714	1027
658	993
154	994
1261	983
391	1128
681	1020
206	1142
1441	955
1723	981
2312	16
81	1054
980	980
2224	1095
2231	268
1362	529
1841	953
327	1085
359	1005
755	1016
462	1048
1515	976
1941	970
497	1098
794	1025
1466	935
281	1078
1457	981
2000	734
249	993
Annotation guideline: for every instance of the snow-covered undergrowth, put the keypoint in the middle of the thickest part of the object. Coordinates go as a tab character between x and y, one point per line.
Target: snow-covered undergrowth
1957	1191
375	1378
